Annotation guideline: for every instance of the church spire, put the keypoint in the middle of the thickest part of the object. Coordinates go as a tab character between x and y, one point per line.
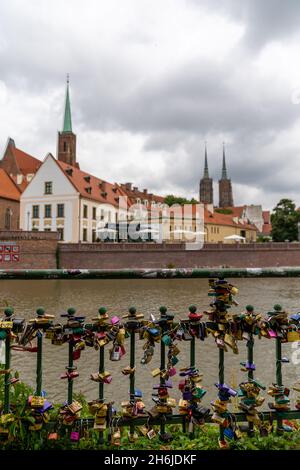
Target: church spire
224	170
206	174
225	187
206	184
67	116
66	148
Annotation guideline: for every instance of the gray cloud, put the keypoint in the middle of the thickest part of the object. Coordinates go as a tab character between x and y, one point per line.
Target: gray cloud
130	80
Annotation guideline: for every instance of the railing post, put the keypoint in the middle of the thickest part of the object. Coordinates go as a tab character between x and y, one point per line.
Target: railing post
101	385
162	380
278	375
250	346
39	324
192	365
7	375
39	360
70	379
8	314
221	382
132	375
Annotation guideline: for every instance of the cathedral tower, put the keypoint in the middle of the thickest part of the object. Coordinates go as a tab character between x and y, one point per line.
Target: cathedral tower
206	184
225	188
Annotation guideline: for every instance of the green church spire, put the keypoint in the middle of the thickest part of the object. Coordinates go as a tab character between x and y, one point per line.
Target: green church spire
67	117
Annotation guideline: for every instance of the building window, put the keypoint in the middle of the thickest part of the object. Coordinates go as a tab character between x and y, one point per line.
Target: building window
102	214
85	211
48	211
8	214
65	146
93	236
48	187
35	212
60	232
60	210
84	234
47	230
94	213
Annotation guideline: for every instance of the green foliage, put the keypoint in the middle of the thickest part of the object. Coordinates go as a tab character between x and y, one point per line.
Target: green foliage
285	220
262	239
205	438
171	199
224	211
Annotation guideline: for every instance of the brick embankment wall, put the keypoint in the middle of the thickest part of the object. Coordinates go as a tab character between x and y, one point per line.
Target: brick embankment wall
41	250
28	250
148	256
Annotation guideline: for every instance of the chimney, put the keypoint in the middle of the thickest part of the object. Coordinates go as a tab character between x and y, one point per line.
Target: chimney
135	188
128	186
145	191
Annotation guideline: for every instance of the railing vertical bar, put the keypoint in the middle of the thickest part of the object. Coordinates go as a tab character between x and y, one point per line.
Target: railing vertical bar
7	375
250	351
39	360
70	367
132	375
278	375
162	379
221	382
192	364
101	386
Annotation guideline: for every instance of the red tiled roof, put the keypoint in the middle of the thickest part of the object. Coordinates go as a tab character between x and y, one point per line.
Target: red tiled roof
133	194
26	163
212	218
224	219
237	211
8	189
91	187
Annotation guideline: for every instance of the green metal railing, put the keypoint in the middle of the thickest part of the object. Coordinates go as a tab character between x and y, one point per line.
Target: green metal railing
162	421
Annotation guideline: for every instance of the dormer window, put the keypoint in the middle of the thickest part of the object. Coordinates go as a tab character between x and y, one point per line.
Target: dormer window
69	171
87	178
88	189
104	194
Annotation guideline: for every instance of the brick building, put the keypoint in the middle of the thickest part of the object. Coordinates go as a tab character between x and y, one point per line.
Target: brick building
135	196
19	165
9	202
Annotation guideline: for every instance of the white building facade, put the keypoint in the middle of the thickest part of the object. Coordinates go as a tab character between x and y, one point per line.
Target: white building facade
55	200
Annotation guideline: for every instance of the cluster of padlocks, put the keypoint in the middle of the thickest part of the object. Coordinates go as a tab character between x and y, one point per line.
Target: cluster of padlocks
166	332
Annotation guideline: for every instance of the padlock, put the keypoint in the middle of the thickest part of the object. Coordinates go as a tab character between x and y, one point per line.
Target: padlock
155	372
74	436
116	438
151	434
115	353
172	371
293	335
132	437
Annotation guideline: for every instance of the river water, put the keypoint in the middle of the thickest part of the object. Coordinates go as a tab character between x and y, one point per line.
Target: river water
147	295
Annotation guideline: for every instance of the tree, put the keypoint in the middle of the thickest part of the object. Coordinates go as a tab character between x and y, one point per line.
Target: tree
285	219
171	199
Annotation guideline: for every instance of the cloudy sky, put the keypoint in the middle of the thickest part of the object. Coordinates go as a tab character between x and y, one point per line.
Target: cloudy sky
151	80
